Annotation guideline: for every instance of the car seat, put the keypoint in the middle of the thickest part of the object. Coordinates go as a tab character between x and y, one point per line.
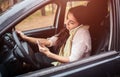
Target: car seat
100	36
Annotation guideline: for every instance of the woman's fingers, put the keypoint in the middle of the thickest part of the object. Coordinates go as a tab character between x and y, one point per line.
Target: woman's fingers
38	45
21	34
41	47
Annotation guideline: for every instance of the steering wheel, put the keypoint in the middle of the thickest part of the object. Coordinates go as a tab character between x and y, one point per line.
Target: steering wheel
25	50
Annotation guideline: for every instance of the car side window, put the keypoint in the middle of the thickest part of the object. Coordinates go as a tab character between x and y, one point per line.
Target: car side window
44	17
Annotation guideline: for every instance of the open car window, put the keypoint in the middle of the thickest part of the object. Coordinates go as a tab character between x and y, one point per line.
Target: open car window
44	17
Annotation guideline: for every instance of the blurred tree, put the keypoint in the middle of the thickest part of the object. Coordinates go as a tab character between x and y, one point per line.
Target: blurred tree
1	1
0	6
15	1
52	8
43	11
0	10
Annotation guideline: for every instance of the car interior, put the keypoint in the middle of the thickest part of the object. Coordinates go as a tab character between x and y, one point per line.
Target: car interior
14	55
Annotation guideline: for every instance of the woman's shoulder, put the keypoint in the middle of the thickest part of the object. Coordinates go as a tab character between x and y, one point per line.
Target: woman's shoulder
82	32
83	29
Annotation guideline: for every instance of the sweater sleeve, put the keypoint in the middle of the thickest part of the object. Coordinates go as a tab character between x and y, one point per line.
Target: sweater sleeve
52	40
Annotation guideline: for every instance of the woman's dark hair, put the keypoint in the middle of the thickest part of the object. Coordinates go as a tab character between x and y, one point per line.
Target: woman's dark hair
64	33
95	11
80	13
62	37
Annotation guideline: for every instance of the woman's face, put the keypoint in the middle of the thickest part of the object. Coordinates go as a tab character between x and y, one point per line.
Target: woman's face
71	22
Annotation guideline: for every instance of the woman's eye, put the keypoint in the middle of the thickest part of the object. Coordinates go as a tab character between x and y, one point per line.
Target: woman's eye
72	23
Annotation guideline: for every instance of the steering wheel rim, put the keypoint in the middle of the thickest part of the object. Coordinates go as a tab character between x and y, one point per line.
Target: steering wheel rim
29	58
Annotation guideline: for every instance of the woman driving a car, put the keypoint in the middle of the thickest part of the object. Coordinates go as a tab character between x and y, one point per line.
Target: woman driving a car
73	42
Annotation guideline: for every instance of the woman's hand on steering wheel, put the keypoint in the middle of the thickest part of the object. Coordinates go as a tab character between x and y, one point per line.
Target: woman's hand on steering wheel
21	34
25	49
